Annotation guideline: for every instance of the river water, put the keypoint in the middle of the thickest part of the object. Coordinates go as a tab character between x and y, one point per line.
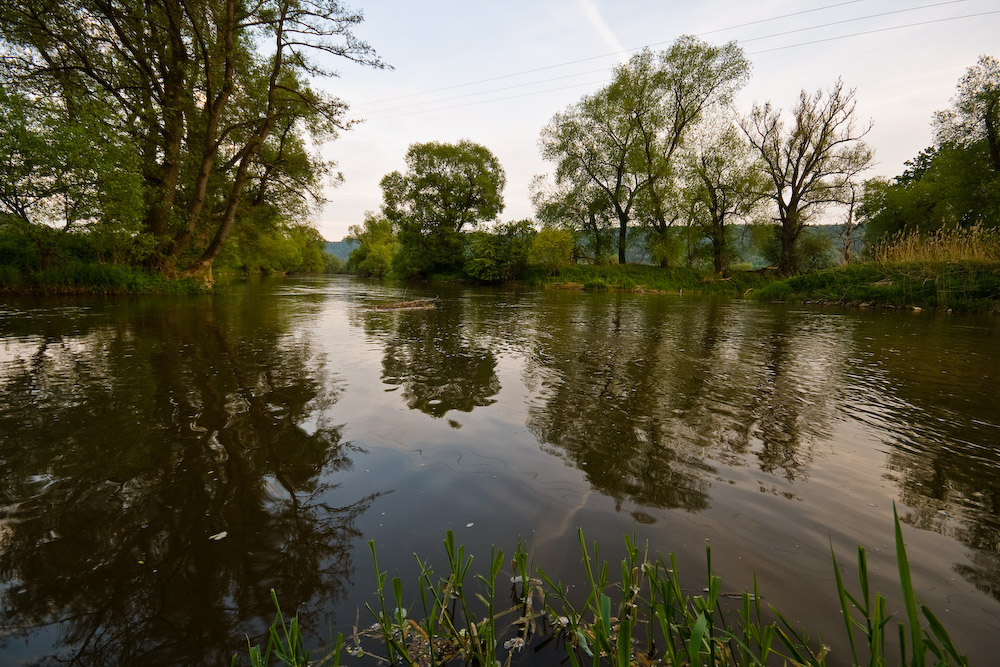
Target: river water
167	461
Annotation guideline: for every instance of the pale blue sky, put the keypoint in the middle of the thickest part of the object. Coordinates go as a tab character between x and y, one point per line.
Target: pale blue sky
902	75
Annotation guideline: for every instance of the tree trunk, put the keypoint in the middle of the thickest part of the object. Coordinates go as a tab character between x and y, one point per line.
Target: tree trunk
788	264
622	233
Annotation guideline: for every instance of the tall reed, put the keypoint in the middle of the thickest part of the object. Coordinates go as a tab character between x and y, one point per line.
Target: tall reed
951	243
643	618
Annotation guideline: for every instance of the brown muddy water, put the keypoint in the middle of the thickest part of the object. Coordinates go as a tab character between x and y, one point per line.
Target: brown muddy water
165	462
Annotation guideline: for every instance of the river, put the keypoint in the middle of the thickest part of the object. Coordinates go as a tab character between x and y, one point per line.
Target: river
167	461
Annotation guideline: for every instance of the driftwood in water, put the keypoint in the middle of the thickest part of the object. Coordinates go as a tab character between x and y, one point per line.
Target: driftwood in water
416	304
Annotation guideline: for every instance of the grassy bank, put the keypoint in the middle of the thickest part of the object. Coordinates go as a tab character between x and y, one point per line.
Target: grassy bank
641	277
92	278
967	285
643	617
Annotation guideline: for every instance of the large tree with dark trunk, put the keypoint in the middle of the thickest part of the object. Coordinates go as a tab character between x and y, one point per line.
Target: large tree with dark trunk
213	97
809	163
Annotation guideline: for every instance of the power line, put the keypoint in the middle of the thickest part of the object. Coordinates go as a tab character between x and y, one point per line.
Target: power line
872	32
742	41
608	55
777	48
560	78
854	20
493	90
495	99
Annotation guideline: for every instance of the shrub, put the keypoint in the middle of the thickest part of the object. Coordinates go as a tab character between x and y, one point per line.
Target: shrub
551	249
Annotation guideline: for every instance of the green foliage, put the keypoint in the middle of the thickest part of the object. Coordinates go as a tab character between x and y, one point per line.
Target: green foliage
446	189
551	249
725	184
956	182
377	245
75	277
615	150
867	614
644	616
814	250
959	285
644	278
953	186
500	255
268	243
160	128
285	643
332	264
666	247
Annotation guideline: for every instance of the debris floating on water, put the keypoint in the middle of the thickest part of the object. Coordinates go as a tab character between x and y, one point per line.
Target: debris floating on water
219	536
415	304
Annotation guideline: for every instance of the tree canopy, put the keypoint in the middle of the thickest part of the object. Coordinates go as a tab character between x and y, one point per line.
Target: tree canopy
956	181
623	139
204	106
446	189
811	163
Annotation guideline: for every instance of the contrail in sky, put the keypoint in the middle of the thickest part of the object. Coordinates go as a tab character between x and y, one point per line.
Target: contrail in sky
593	15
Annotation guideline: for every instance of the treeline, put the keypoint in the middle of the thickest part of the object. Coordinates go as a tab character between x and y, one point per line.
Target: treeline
171	136
659	165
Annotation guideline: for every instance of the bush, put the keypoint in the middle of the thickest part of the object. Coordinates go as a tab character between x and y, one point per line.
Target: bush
552	249
501	255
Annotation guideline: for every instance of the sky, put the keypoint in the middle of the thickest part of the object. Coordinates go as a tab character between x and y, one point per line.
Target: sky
495	72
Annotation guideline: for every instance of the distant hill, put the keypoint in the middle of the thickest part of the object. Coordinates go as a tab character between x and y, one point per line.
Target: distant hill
341	249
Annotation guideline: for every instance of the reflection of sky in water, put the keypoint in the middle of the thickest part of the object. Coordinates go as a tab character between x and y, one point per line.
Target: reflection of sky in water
767	430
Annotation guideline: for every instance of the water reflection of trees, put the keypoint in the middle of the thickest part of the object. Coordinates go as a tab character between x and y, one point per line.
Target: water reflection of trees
127	446
644	395
436	360
943	453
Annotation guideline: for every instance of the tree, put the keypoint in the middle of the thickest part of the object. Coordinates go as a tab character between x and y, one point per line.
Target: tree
668	95
447	189
975	115
955	182
725	184
501	254
811	163
593	143
579	207
377	245
624	138
552	249
212	95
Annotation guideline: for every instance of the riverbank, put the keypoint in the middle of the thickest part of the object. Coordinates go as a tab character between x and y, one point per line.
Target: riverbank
959	285
645	278
94	279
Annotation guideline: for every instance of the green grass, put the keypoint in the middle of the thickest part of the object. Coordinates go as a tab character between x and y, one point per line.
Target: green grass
643	617
968	285
93	278
645	278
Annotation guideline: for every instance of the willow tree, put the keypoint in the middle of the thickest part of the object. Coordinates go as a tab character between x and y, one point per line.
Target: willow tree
624	139
595	142
724	184
205	90
811	162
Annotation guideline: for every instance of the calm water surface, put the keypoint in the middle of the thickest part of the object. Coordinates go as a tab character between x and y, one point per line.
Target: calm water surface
292	424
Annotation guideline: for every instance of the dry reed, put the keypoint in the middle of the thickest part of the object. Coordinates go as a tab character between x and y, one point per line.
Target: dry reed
975	243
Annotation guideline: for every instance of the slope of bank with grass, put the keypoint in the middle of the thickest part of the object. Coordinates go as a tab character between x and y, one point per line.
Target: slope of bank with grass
965	285
92	278
952	269
645	278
